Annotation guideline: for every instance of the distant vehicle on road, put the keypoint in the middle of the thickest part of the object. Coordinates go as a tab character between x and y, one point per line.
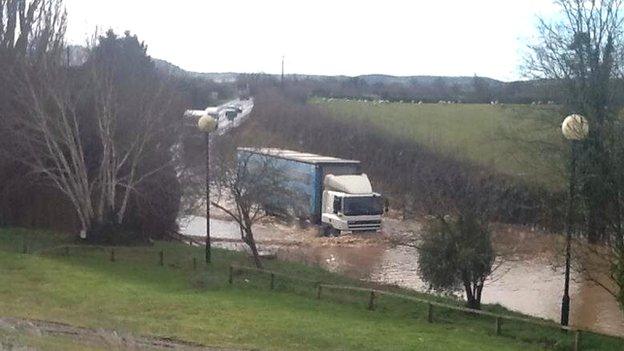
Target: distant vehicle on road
329	191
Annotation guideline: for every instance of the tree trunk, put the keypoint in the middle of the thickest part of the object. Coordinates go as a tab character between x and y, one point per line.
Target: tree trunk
249	239
473	295
474	304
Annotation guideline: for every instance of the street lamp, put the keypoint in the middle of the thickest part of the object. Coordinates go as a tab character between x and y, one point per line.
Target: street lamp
207	124
574	128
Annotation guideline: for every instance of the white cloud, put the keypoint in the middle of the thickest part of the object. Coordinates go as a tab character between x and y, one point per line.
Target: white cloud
444	37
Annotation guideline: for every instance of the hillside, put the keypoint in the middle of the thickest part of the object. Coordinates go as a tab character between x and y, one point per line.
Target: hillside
518	140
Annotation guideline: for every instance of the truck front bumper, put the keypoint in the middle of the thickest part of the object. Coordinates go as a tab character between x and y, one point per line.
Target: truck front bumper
364	225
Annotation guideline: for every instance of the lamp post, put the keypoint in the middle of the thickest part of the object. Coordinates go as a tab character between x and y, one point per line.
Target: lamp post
207	124
574	128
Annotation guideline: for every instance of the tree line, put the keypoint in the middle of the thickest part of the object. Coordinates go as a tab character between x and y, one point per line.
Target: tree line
424	89
89	148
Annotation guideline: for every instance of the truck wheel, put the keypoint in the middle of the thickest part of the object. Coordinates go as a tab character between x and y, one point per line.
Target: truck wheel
325	230
334	232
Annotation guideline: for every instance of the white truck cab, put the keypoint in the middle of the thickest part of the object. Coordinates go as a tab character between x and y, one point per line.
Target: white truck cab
349	204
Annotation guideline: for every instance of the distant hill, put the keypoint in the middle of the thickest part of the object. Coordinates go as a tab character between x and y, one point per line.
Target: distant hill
170	68
78	55
424	80
462	81
371	86
421	87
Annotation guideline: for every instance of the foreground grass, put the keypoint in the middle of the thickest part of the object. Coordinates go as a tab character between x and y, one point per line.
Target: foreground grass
135	295
519	140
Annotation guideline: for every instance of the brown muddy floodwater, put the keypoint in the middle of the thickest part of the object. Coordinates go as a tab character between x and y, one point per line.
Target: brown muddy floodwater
525	281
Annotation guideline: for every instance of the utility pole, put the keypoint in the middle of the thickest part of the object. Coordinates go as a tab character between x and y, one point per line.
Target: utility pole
208	251
207	124
282	81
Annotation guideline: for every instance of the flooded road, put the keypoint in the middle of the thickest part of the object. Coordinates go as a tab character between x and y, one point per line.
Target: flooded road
525	281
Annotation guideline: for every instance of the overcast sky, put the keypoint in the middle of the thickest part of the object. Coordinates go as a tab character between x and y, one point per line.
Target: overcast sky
436	37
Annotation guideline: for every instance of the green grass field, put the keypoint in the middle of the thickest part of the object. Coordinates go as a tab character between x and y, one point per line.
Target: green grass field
136	295
519	140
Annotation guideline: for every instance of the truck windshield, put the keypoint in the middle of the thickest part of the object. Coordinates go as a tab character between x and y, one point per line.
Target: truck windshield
362	205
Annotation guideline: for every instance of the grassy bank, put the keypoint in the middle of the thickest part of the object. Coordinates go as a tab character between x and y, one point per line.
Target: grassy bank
517	140
136	295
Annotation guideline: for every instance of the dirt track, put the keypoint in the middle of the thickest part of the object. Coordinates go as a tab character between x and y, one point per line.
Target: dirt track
97	337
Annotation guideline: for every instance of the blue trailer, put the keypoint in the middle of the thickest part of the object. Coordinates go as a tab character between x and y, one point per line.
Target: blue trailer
304	175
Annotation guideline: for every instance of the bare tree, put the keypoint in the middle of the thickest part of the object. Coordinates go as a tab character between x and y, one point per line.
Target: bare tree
94	145
584	53
31	37
31	28
245	185
50	136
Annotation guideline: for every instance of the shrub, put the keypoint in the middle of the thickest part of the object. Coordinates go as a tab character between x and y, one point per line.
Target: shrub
456	253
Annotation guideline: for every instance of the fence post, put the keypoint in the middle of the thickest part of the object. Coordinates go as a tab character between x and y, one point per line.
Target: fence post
161	258
194	263
429	313
371	300
112	255
231	276
272	281
497	326
576	346
319	290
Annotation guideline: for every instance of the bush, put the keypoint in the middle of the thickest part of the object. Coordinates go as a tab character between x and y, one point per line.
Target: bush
111	233
455	254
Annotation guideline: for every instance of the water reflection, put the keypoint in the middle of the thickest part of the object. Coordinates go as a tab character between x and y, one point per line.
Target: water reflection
530	286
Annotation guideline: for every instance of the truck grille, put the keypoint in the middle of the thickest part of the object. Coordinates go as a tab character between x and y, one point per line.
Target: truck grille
364	225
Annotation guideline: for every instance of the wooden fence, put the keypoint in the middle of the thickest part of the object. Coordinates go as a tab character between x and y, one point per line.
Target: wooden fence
373	294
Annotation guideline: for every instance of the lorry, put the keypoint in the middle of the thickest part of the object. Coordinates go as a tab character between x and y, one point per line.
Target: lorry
328	191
